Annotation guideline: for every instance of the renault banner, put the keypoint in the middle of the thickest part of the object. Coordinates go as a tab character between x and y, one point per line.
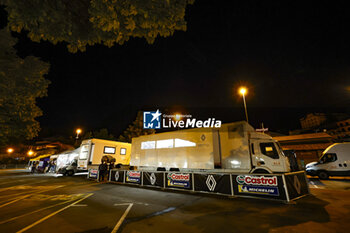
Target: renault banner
296	184
213	183
117	176
155	179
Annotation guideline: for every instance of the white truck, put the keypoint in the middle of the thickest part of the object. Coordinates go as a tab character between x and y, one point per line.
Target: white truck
66	162
235	147
93	150
335	161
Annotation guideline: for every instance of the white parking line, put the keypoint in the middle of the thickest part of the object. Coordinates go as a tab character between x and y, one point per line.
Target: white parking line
115	229
52	214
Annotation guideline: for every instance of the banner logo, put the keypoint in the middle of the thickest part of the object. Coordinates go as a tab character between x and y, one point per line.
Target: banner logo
257	180
179	180
116	176
157	120
151	120
153	179
133	176
211	183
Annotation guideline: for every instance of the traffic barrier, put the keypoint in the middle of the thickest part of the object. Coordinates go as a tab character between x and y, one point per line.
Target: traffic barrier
282	187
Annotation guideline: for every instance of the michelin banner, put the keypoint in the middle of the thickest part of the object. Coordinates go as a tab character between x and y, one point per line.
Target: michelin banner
179	180
93	173
133	177
267	186
213	183
155	179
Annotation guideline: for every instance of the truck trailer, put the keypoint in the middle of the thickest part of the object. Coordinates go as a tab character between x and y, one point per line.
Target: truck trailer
234	147
93	150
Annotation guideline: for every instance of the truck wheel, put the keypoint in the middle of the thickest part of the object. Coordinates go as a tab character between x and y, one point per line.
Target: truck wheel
261	171
70	173
323	175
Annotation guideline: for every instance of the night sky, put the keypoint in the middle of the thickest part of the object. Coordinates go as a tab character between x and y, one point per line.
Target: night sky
295	59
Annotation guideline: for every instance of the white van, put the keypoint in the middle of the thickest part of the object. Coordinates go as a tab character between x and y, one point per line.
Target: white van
335	161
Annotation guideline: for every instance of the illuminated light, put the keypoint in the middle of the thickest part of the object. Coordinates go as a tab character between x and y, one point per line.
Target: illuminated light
183	143
177	116
242	90
167	143
148	145
30	153
10	150
78	131
235	162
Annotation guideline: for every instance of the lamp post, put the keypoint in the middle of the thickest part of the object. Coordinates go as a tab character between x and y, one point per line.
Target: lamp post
243	92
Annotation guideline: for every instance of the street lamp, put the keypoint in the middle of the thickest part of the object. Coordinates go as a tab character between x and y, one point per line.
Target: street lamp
177	116
243	91
30	153
78	132
10	150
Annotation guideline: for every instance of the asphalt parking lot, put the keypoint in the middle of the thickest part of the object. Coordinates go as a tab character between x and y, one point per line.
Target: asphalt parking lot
42	203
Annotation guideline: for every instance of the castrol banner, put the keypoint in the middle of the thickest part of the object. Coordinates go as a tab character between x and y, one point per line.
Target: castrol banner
270	186
133	177
179	180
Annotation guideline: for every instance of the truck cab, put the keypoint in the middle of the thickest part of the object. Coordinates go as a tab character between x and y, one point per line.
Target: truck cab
267	155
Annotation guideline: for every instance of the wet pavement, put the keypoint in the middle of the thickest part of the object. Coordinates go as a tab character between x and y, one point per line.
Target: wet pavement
44	203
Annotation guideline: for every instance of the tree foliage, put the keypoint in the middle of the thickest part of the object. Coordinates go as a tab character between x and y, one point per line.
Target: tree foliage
135	129
88	22
21	82
100	134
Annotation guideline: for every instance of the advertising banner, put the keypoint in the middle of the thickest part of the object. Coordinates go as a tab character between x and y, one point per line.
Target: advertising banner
117	176
93	173
213	183
133	177
296	185
155	179
178	180
263	186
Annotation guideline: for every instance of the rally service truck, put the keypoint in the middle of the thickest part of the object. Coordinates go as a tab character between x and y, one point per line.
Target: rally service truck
93	150
234	147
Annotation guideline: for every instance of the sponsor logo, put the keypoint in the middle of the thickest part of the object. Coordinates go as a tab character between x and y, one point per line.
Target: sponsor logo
179	180
297	184
257	180
211	183
151	120
93	173
116	176
260	190
157	120
153	178
133	176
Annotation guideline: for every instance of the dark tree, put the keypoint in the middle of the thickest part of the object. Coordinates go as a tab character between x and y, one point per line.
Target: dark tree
21	83
89	22
135	129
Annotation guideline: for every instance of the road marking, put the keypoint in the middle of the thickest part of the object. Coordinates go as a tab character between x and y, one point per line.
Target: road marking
122	204
79	205
52	214
35	211
115	229
20	198
23	185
